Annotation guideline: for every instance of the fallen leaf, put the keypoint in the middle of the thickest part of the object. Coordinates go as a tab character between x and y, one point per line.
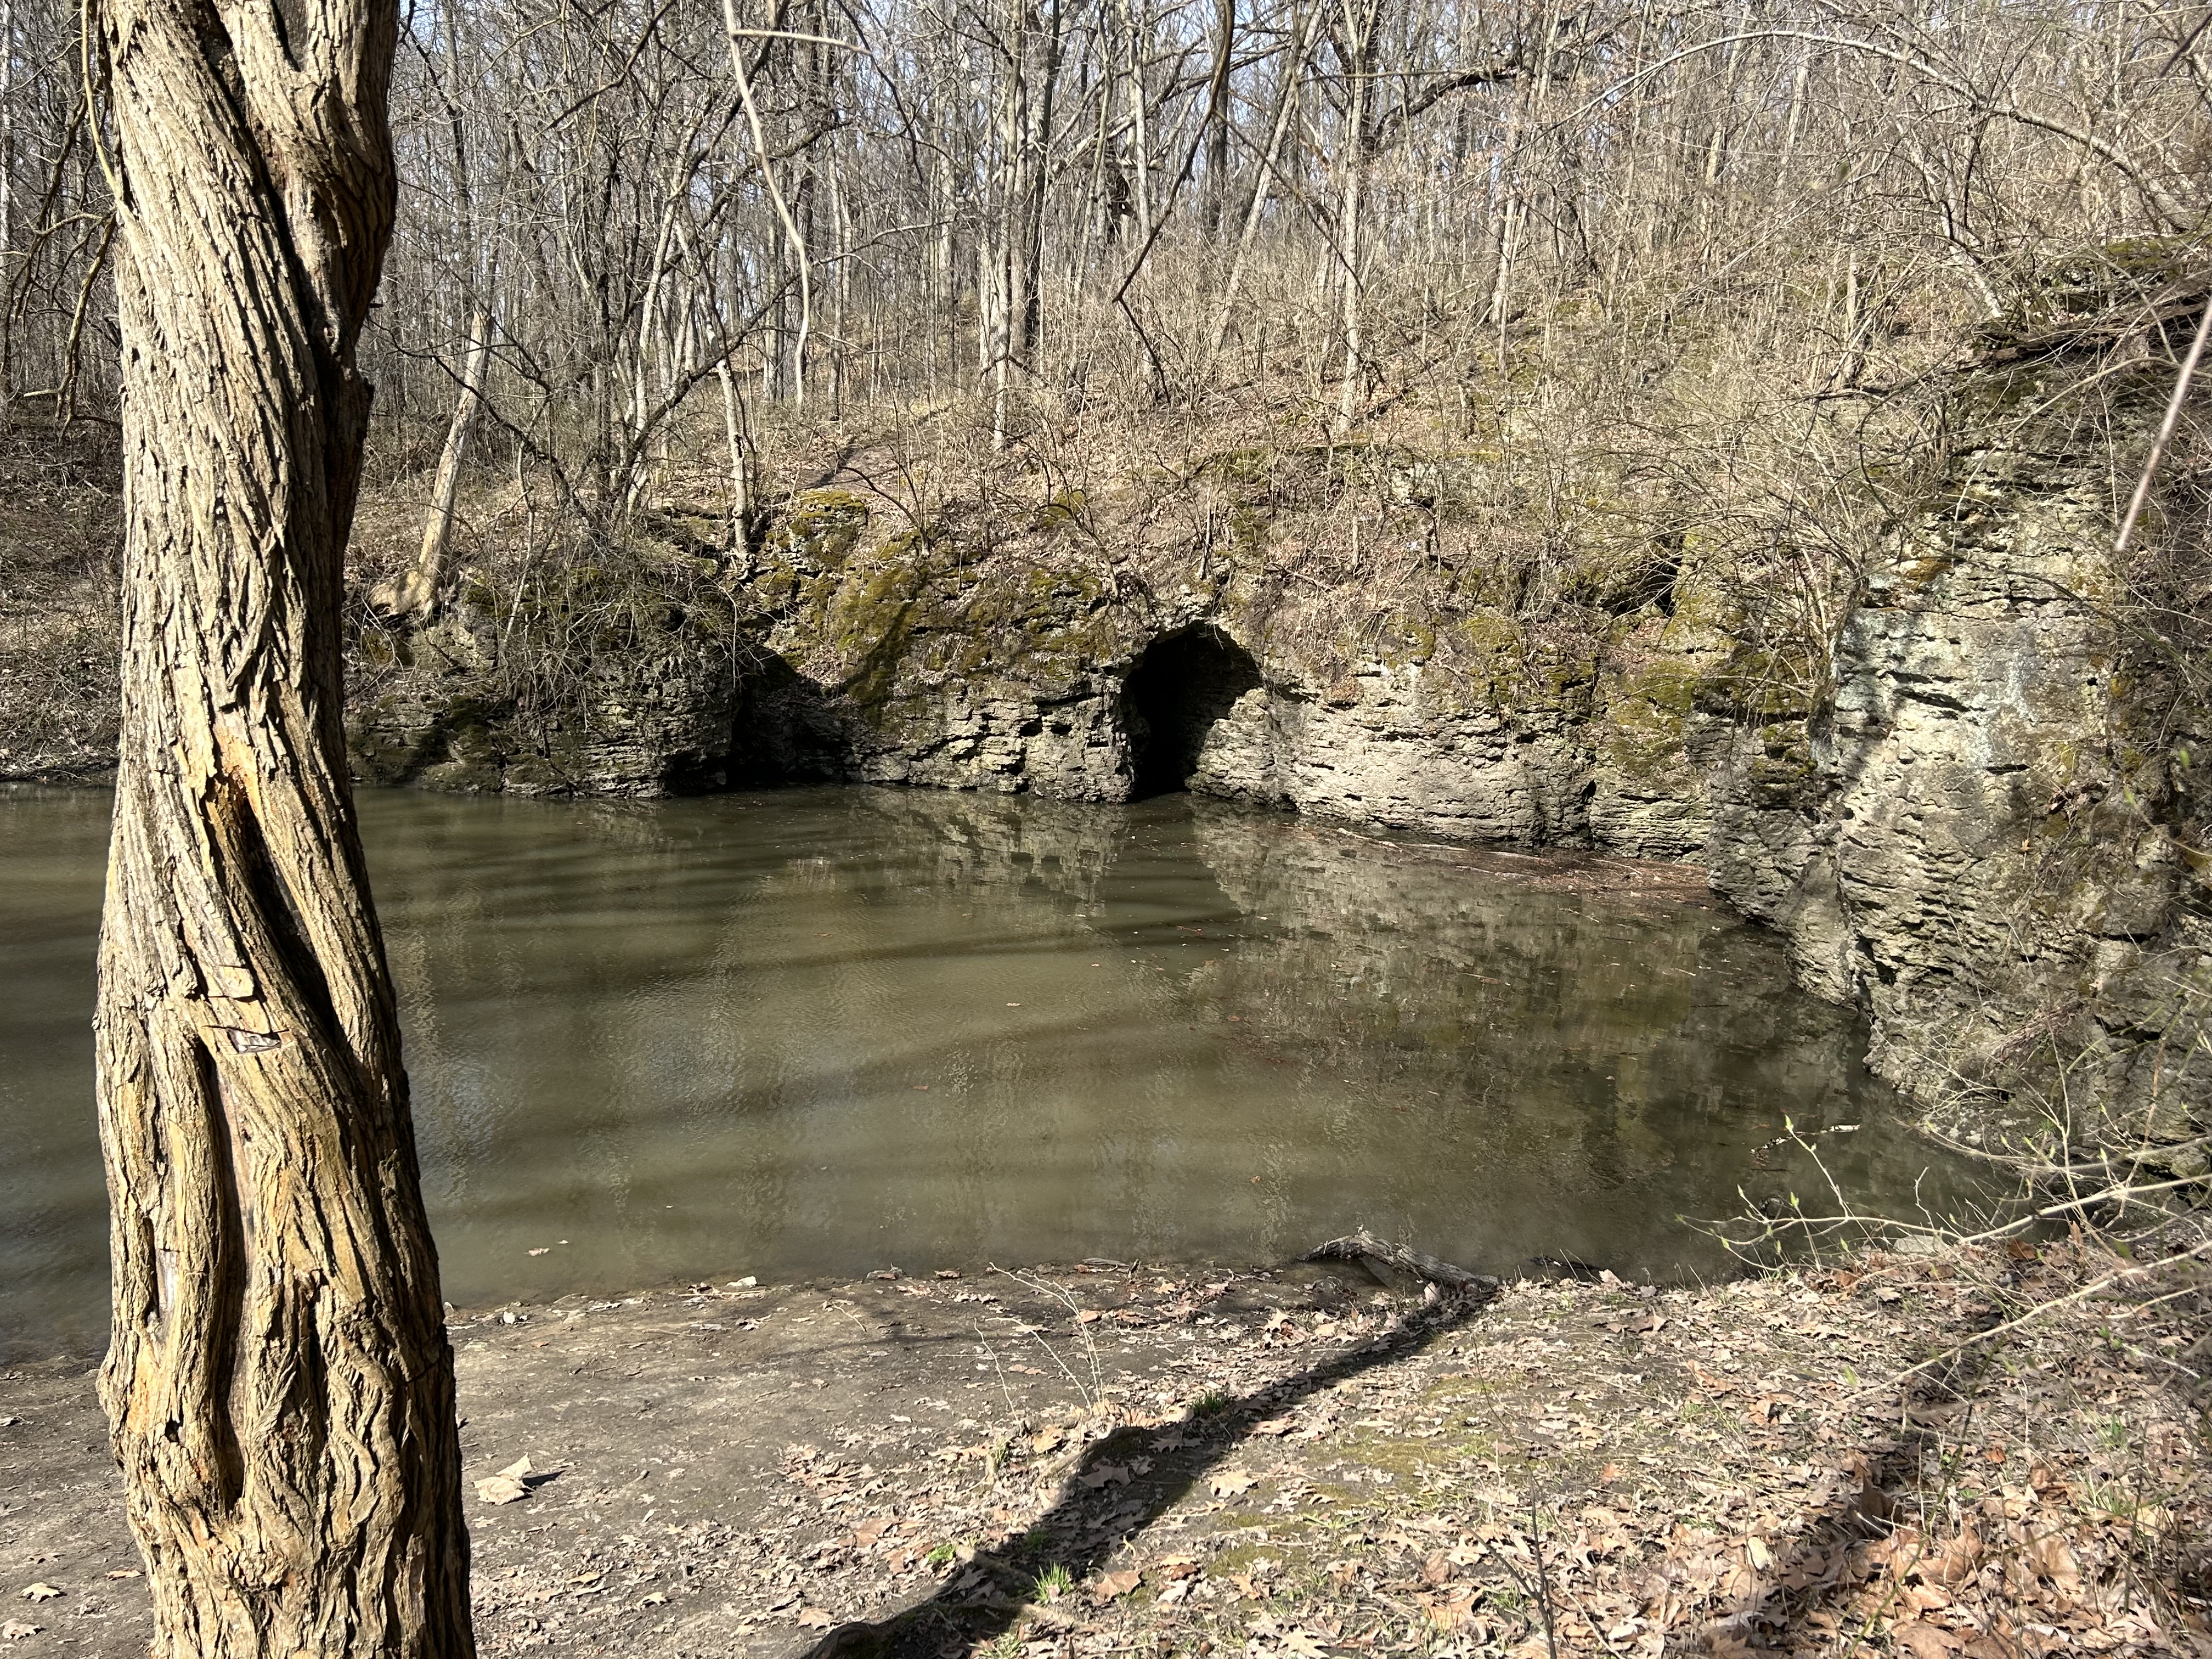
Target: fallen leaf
1175	1592
1453	1611
816	1618
40	1592
2053	1560
655	1600
1106	1474
1109	1586
16	1631
1229	1483
541	1249
1959	1558
126	1572
1924	1641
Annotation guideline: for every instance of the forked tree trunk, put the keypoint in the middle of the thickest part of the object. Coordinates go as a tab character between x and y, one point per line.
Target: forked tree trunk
279	1383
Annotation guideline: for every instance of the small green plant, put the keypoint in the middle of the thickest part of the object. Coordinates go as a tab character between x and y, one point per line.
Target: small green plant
941	1555
1054	1582
1211	1403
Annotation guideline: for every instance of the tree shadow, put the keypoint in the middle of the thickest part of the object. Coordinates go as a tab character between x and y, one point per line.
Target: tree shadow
1088	1523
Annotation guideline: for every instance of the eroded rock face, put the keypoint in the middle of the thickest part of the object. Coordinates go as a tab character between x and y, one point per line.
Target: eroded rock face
643	705
1977	832
1979	836
1973	836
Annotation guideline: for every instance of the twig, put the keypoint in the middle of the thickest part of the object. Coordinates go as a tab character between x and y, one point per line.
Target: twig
1541	1595
2165	428
2194	1252
1096	1391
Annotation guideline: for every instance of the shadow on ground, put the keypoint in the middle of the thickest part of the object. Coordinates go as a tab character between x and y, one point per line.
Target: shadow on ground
1089	1522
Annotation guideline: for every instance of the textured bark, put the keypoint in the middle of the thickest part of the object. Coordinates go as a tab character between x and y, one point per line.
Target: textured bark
279	1383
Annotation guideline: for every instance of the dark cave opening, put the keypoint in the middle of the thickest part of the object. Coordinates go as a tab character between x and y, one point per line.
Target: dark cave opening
1182	686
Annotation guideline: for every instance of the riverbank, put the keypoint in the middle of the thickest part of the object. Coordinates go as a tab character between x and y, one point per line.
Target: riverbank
1293	1460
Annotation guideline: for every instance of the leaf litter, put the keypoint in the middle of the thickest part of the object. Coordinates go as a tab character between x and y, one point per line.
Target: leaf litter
1290	1461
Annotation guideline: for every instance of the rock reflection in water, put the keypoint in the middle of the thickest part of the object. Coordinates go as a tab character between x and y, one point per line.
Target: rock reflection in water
821	1032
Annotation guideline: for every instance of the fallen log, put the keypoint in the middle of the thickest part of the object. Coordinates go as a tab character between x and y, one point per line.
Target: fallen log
1364	1245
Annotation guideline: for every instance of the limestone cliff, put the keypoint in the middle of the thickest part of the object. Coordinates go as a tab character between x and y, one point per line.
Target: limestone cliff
1977	822
1965	789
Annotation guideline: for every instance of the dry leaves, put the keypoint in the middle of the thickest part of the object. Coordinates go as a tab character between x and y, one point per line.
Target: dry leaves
509	1485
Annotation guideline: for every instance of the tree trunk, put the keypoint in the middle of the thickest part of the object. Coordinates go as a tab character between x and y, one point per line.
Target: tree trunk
1286	104
1216	116
416	592
7	210
279	1383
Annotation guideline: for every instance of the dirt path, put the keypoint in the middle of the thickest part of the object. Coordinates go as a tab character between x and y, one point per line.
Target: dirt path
1294	1462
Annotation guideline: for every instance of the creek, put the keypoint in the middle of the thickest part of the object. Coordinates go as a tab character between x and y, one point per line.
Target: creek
826	1031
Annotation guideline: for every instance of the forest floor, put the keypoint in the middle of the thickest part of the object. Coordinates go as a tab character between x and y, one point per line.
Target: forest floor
1288	1463
60	630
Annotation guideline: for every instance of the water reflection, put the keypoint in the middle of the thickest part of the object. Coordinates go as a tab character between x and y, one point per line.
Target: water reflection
822	1032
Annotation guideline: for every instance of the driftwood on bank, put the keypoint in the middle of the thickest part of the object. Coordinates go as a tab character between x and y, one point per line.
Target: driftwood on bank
1364	1245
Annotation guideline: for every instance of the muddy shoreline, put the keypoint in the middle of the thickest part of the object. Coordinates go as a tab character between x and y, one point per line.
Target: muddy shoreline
1293	1460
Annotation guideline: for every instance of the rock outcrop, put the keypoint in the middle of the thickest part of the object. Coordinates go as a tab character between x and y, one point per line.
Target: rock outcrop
1977	830
609	684
1978	817
1985	834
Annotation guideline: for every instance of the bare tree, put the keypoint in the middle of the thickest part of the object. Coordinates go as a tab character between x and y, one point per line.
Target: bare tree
279	1381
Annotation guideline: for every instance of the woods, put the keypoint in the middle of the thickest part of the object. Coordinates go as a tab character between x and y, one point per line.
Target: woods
705	217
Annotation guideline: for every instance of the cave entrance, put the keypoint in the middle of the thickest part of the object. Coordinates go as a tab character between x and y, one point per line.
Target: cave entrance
1182	686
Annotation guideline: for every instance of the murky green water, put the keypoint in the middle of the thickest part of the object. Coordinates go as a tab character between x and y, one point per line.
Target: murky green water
822	1031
